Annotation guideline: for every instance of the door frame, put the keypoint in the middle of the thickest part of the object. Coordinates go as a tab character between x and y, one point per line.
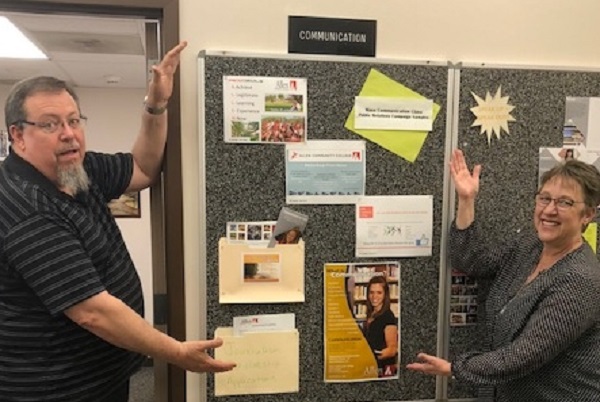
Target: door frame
167	193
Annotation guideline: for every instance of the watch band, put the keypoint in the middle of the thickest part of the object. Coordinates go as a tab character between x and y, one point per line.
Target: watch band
153	110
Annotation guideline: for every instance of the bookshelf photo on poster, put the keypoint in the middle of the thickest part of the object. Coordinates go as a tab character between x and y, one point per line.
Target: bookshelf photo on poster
126	206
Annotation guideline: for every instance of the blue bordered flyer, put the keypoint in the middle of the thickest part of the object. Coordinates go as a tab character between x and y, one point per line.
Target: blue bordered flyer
325	172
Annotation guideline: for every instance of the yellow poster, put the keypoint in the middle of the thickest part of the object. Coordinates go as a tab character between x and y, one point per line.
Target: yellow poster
405	143
362	328
590	235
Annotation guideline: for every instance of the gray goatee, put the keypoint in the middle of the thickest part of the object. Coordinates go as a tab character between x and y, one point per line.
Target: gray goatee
73	178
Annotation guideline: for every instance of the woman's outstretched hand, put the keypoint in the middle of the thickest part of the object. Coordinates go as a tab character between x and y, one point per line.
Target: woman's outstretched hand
465	182
431	365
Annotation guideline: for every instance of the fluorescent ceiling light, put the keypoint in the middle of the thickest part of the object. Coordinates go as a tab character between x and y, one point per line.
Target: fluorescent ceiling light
15	45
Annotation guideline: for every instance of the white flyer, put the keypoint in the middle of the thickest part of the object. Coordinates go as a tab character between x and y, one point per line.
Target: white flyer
394	226
264	110
263	323
385	113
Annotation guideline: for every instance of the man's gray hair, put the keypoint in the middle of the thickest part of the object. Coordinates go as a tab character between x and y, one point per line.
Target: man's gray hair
14	109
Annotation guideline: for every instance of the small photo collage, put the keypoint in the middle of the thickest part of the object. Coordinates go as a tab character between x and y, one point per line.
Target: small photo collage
463	300
250	232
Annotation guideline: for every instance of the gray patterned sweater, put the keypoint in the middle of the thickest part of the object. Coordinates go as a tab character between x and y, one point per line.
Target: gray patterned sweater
545	336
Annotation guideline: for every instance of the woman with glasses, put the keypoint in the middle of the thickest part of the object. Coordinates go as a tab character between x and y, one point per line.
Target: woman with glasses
543	309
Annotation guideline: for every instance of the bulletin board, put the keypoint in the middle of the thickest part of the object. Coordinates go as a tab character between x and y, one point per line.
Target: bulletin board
246	182
510	163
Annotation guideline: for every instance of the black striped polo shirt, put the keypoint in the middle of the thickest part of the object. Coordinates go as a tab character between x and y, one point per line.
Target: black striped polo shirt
56	251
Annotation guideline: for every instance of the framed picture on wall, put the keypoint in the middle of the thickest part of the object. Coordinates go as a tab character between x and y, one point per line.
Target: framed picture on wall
126	206
4	144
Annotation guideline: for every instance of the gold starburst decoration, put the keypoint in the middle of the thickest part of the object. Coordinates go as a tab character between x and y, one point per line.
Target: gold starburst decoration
493	114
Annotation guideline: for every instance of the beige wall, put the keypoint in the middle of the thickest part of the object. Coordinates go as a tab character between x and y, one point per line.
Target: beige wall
492	31
114	121
528	32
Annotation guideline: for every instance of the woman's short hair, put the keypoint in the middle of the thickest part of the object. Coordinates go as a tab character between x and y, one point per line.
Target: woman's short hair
586	175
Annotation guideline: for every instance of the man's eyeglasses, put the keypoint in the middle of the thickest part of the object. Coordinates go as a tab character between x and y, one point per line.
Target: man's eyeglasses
562	204
52	126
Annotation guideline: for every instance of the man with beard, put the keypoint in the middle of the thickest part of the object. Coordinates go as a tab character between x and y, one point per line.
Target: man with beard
71	307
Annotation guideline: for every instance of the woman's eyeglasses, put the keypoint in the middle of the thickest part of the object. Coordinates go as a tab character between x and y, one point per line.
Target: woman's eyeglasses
561	203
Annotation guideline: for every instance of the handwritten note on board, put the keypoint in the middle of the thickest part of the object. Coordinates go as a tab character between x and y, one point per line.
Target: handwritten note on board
267	362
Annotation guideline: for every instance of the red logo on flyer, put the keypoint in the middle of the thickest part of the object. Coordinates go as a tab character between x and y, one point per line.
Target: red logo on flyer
390	370
365	212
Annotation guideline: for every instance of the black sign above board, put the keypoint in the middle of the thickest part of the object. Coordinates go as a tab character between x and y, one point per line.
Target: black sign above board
332	36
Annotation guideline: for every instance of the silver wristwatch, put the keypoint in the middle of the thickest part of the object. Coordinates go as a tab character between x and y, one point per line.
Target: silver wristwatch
152	109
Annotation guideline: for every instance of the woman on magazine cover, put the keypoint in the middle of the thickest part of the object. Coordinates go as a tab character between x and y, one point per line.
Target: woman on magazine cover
292	236
381	327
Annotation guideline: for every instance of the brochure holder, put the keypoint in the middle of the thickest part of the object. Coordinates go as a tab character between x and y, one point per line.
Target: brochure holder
251	274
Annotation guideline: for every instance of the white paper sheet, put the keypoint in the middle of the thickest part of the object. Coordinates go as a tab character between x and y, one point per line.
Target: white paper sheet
263	323
264	110
385	113
394	226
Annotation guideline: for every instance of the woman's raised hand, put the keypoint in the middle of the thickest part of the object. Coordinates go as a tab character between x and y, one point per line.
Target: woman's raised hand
465	182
